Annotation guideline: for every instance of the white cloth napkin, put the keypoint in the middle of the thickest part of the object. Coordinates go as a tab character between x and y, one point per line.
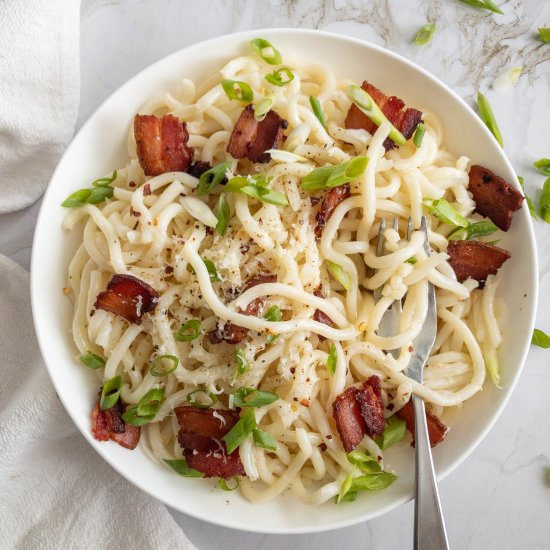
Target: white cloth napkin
56	491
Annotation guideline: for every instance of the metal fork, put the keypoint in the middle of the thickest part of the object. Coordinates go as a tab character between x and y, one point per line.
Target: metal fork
429	526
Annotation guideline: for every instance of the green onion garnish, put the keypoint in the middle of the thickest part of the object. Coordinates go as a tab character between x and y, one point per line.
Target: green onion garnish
393	433
242	362
373	482
491	365
160	368
262	108
332	359
277	79
340	275
345	488
252	397
180	467
240	431
444	212
92	361
540	339
99	191
366	463
528	200
425	34
236	89
274	315
486	114
222	484
544	207
264	440
197	397
212	272
110	393
189	331
146	409
255	187
102	182
368	106
544	35
318	111
419	135
412	260
266	51
484	5
222	213
472	231
350	496
543	166
212	178
327	177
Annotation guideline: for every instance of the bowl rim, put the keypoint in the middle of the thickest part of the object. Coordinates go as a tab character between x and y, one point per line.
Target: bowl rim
35	277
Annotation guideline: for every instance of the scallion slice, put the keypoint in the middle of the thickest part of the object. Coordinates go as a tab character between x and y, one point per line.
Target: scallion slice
444	212
540	339
486	114
472	231
528	200
332	360
160	367
318	111
393	433
340	275
102	182
189	331
373	482
543	166
181	467
345	488
544	35
327	177
266	51
368	106
110	393
212	271
222	484
280	77
197	398
92	361
484	5
252	397
366	463
419	135
241	361
274	315
424	34
99	191
147	408
262	108
264	440
223	214
544	206
212	178
236	89
240	431
255	187
491	364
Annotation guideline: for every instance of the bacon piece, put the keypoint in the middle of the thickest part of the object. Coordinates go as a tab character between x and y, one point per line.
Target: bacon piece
251	139
108	425
404	119
475	260
369	398
128	297
215	464
162	144
320	316
436	429
334	197
494	198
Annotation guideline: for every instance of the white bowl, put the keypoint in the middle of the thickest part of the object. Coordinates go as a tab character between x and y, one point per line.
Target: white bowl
100	146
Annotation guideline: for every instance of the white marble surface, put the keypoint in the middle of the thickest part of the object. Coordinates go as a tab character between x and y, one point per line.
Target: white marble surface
498	498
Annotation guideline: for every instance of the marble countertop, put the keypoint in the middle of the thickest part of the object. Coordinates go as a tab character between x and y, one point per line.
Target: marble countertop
499	497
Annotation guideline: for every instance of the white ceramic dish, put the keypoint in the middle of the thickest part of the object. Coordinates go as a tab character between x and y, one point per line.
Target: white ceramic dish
100	146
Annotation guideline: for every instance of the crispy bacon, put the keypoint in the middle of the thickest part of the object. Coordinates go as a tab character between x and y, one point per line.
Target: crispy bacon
436	429
251	139
334	197
231	333
215	464
404	119
320	316
494	198
108	425
128	297
162	144
475	260
359	411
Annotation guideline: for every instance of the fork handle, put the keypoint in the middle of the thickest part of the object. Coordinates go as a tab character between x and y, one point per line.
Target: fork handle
429	527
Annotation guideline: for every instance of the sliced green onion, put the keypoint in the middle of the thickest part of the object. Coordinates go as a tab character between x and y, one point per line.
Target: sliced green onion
327	177
212	271
189	331
491	365
350	496
274	315
222	213
92	361
484	5
340	275
192	398
486	114
236	89
110	393
240	431
544	207
543	166
544	35
256	188
264	440
444	212
332	360
102	182
528	200
99	191
318	111
540	339
373	482
368	106
419	135
242	362
412	260
147	408
222	484
425	34
181	467
472	231
252	397
262	108
393	433
78	198
345	488
159	368
99	194
277	79
271	56
366	463
212	178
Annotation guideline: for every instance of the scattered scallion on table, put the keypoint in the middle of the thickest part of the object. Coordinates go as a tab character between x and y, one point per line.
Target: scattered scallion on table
540	339
544	206
484	5
530	204
424	34
544	35
486	114
542	166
